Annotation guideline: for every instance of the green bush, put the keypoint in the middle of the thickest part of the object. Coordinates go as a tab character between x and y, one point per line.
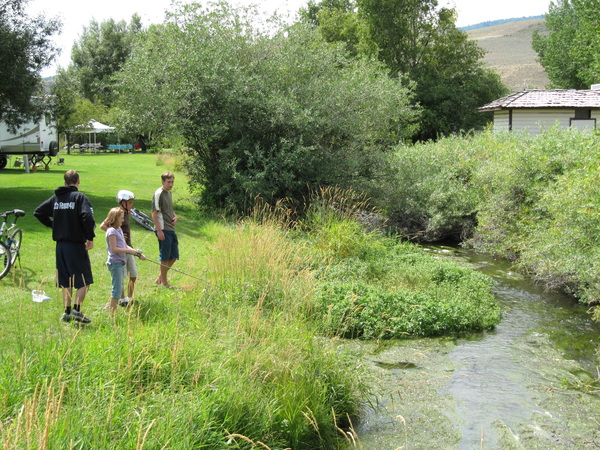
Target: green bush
564	248
361	310
512	181
530	199
429	196
538	198
262	114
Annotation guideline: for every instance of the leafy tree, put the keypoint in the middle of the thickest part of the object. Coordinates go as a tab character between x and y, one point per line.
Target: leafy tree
70	108
261	115
100	53
338	21
85	89
419	41
569	52
64	97
25	48
452	82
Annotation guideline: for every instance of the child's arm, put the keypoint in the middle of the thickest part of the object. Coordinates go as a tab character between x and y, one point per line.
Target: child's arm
137	253
112	243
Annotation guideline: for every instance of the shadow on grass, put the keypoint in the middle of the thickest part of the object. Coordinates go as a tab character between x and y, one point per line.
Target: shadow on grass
21	277
29	198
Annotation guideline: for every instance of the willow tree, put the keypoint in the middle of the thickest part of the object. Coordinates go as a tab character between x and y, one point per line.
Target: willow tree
270	115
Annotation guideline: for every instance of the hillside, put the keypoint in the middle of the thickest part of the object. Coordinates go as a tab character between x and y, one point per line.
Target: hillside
509	51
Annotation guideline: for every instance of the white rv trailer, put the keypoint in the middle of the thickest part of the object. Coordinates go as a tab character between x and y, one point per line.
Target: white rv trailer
37	140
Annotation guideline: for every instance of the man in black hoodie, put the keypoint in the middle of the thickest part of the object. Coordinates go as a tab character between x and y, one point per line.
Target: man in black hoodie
69	213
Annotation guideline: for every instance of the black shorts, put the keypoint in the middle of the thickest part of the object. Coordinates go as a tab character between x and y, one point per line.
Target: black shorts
73	265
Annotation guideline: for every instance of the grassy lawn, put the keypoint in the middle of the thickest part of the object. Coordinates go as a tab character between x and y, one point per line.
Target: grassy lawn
102	175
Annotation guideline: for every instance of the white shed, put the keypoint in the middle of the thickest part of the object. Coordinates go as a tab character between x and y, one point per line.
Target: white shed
537	110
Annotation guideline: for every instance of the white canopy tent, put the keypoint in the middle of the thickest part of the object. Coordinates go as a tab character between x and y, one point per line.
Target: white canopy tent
92	128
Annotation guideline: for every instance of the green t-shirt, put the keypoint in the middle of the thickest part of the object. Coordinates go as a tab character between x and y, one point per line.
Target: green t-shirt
163	203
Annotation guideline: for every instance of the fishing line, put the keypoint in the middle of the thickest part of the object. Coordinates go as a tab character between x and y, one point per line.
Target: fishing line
176	270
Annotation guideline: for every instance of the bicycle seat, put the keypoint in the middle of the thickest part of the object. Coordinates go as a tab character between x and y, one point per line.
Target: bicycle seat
16	212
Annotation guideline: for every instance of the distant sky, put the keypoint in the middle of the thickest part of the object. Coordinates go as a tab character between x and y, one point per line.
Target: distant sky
76	15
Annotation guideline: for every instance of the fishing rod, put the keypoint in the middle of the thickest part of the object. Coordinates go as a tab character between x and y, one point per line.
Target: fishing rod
176	270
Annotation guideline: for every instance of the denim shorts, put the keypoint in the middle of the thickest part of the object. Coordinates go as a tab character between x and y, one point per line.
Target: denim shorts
169	248
117	274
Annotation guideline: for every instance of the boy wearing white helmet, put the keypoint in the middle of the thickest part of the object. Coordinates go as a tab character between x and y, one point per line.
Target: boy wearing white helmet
125	200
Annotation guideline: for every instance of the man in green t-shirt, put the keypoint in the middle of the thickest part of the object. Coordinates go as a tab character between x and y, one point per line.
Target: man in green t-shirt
164	222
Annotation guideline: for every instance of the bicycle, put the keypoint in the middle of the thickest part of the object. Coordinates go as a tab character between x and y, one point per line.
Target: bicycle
142	219
10	241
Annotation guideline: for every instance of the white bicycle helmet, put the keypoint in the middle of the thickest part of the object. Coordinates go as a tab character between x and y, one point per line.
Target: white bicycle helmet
124	195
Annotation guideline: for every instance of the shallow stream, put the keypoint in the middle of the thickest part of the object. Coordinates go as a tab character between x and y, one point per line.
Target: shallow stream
531	383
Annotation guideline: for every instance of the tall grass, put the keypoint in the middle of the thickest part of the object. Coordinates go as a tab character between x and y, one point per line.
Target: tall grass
184	370
260	263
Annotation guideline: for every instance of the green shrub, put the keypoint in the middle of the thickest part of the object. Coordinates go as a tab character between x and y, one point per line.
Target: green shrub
360	310
529	199
398	290
430	196
538	202
564	248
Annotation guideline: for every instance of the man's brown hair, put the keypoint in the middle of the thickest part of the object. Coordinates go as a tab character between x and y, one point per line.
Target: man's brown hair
71	177
167	175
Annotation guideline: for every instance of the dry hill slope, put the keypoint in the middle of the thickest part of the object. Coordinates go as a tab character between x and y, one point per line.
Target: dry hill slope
509	51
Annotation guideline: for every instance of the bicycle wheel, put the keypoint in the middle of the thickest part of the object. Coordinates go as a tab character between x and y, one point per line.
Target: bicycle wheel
15	245
4	260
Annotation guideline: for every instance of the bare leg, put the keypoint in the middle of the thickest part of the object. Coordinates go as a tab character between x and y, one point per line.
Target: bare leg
131	286
164	268
80	295
67	295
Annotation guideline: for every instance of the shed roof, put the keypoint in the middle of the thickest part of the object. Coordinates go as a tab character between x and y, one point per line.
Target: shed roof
547	98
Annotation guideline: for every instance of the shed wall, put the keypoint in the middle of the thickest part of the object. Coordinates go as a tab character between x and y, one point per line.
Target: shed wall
501	121
538	120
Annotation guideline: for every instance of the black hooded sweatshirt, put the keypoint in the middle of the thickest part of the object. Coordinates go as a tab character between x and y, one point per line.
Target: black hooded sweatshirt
70	215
